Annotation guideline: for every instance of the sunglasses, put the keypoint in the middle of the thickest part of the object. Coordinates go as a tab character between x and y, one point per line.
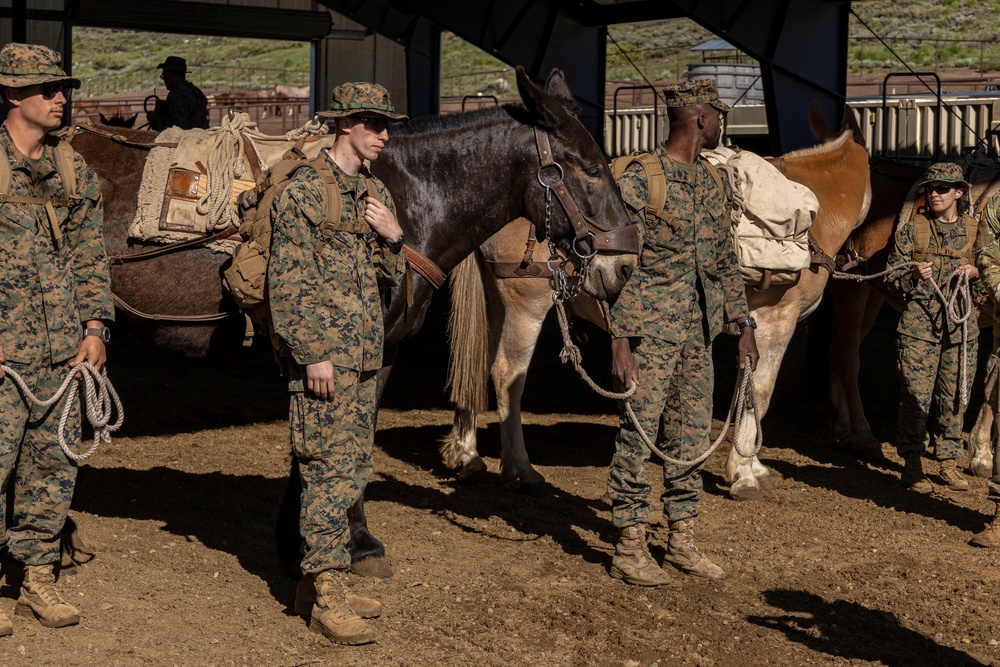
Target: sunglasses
376	125
941	189
53	88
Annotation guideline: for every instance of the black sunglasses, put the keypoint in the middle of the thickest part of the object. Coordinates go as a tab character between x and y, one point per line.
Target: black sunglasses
941	189
53	88
376	125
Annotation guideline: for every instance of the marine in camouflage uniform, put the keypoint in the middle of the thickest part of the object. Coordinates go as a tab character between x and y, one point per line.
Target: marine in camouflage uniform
324	295
56	292
686	287
186	106
929	347
988	263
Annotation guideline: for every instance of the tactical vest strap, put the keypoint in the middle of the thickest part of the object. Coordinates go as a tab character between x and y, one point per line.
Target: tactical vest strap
656	183
922	250
334	205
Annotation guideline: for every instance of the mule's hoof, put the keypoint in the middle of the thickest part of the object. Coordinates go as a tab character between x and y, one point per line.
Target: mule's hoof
745	492
376	566
982	469
870	453
766	483
469	471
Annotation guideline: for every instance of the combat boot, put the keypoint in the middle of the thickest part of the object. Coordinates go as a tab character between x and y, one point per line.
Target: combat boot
305	598
913	476
632	562
6	627
952	476
990	537
332	617
39	598
684	555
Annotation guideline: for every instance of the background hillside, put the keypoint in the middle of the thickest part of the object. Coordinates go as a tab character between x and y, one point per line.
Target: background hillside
927	34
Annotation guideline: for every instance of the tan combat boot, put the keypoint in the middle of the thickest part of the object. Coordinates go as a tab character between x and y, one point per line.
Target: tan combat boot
6	627
632	562
305	598
39	598
332	617
913	476
684	555
953	478
990	537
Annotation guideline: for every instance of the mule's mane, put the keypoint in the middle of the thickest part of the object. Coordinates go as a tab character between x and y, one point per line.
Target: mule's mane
822	149
457	121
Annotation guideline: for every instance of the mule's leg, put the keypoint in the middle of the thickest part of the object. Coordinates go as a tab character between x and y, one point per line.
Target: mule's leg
980	450
459	450
856	307
526	302
747	475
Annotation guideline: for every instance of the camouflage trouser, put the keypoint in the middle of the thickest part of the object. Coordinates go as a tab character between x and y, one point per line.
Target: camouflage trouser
673	404
333	441
992	399
929	374
44	478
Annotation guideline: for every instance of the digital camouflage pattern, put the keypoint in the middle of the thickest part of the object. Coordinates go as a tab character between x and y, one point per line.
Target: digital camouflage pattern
29	64
361	96
324	297
324	286
945	172
929	347
686	260
333	442
185	107
54	280
693	93
988	263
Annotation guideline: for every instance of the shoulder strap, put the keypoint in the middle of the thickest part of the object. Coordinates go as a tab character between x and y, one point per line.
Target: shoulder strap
715	175
656	183
334	204
4	175
922	236
65	167
67	174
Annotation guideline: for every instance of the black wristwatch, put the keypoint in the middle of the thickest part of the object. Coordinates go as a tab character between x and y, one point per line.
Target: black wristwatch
748	322
103	333
397	245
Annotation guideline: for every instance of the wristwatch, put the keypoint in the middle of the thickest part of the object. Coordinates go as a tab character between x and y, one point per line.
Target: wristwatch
397	245
748	322
103	333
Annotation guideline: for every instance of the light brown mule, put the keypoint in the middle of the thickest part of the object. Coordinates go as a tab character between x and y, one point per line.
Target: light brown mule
836	170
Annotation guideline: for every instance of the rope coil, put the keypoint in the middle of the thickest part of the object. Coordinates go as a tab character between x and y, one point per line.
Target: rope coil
744	398
100	400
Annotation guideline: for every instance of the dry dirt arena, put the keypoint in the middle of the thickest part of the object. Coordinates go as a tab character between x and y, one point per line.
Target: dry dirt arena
838	566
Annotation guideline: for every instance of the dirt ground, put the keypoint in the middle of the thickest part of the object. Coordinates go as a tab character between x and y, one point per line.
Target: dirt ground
838	566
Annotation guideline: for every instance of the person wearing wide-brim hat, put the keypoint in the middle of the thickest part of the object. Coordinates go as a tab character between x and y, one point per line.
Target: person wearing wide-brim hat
936	246
186	106
323	279
54	307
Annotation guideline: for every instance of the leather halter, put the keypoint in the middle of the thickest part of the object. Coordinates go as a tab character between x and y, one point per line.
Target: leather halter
621	240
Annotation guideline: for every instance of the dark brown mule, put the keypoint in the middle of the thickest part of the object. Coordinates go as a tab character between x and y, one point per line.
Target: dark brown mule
857	304
456	181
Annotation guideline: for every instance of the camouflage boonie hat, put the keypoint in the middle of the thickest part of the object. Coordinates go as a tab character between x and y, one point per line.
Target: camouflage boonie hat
174	64
945	172
693	93
361	97
29	64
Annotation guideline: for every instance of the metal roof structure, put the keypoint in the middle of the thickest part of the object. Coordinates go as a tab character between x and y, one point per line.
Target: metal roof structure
801	45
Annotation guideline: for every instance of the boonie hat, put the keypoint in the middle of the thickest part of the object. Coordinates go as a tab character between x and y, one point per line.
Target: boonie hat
361	97
174	64
30	64
945	172
693	93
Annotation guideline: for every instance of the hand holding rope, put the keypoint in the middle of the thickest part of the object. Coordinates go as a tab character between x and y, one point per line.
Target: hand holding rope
100	399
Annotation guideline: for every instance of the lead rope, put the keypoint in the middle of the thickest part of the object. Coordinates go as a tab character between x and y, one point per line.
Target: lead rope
744	398
957	289
100	398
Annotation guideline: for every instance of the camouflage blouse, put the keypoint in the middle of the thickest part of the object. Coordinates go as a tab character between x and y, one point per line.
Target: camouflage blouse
54	280
324	286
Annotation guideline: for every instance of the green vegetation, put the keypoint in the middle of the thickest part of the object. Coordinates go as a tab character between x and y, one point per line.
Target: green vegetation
927	34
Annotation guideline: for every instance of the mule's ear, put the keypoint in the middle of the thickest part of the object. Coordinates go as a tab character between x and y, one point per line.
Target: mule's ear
851	123
131	121
819	125
104	119
548	110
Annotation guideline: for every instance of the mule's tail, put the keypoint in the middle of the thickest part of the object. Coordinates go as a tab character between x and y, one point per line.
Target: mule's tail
468	332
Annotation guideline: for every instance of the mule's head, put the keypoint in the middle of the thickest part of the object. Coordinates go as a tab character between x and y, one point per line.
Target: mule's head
586	216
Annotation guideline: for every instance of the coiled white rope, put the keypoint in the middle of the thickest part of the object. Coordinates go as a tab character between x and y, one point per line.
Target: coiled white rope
744	398
958	308
100	400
